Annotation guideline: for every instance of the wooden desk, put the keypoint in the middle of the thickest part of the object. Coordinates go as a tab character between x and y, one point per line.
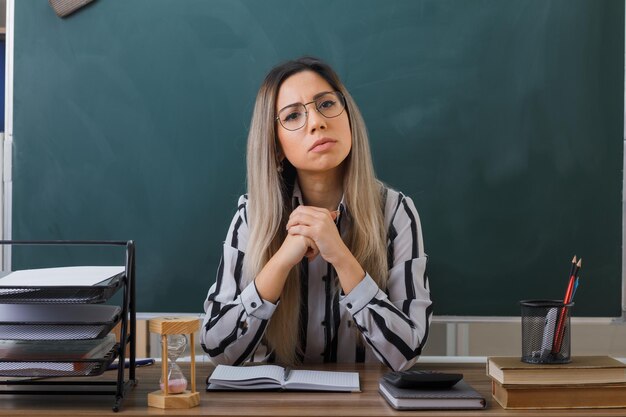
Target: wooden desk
366	403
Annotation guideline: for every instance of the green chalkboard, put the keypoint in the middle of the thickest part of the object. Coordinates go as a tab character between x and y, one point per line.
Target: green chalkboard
503	120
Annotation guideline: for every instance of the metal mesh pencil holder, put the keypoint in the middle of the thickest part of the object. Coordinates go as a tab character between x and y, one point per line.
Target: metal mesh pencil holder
546	331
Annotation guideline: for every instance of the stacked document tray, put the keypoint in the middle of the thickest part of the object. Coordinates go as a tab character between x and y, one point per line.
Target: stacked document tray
43	337
32	358
54	323
61	294
57	322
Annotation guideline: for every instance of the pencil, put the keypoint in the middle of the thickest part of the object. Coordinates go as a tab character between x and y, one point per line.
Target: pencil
560	328
575	287
570	286
571	270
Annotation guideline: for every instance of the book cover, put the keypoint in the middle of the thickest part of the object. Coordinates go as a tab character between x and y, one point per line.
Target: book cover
260	377
582	370
460	396
559	396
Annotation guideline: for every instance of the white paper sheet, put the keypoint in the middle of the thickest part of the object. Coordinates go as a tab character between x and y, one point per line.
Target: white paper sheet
72	275
242	373
340	381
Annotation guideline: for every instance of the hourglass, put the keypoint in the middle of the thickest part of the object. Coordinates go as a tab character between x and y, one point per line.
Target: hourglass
174	393
176	381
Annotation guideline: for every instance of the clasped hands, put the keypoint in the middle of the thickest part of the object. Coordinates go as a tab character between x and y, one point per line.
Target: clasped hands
311	231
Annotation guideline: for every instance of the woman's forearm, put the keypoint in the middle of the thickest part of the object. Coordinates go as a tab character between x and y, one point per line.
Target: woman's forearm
271	280
349	272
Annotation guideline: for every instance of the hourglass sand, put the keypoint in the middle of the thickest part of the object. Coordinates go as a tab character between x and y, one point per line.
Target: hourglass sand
174	393
176	381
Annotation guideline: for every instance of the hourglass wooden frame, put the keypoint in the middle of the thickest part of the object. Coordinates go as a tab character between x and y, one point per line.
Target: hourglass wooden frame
175	325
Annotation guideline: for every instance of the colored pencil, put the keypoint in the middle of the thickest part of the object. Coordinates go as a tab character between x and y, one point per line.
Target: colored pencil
560	328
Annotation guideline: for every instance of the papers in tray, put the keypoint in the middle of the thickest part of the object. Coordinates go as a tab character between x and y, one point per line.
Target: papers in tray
57	321
34	358
57	350
64	276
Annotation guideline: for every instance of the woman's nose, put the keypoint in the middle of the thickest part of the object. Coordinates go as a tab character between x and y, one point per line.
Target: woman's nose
316	120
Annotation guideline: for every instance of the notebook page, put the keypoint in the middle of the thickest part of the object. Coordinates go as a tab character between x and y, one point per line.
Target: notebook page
323	380
240	374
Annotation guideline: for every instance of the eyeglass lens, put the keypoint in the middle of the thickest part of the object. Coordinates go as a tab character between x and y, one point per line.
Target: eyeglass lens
328	105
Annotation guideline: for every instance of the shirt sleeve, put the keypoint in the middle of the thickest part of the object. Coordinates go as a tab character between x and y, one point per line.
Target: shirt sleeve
235	318
395	323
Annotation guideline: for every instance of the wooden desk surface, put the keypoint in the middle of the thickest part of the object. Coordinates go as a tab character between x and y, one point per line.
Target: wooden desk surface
367	403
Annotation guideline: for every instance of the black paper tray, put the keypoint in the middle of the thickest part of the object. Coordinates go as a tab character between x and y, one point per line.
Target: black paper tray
58	367
57	322
88	294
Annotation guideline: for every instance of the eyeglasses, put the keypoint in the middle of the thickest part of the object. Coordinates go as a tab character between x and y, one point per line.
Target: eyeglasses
329	105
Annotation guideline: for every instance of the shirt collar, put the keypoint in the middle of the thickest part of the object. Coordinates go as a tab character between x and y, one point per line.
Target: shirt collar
298	200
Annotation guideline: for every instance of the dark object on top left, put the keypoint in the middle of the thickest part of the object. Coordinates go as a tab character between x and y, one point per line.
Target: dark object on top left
66	7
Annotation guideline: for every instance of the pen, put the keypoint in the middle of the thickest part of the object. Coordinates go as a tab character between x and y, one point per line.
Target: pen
287	372
138	363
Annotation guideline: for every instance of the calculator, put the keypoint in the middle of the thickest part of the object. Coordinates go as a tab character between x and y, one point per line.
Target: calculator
422	379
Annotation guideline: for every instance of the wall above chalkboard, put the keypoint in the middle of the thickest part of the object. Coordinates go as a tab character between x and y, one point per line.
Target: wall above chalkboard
503	120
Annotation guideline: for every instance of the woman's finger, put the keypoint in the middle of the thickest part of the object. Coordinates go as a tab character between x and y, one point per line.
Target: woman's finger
311	210
302	218
313	251
308	217
301	230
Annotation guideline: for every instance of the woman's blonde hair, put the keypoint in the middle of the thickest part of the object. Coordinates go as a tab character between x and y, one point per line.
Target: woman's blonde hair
269	202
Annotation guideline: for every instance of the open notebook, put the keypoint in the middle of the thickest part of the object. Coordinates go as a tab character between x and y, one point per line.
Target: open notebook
266	377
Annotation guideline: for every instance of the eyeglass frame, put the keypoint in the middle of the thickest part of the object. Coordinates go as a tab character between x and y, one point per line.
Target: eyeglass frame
306	111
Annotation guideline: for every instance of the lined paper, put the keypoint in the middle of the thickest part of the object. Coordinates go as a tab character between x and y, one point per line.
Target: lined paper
272	377
340	381
248	373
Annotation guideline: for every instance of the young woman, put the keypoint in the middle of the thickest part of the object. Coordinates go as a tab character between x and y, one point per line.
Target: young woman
322	262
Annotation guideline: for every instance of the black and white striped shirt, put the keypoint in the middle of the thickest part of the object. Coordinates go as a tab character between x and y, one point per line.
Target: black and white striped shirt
394	323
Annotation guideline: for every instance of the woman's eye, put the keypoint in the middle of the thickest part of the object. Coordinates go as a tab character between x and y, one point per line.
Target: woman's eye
326	104
290	117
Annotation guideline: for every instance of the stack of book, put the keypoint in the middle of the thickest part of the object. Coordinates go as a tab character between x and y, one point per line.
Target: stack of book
586	382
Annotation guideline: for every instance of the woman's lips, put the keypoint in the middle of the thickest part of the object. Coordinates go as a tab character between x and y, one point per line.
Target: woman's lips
322	145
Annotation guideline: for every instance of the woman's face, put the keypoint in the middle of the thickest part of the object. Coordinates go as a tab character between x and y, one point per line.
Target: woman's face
322	144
